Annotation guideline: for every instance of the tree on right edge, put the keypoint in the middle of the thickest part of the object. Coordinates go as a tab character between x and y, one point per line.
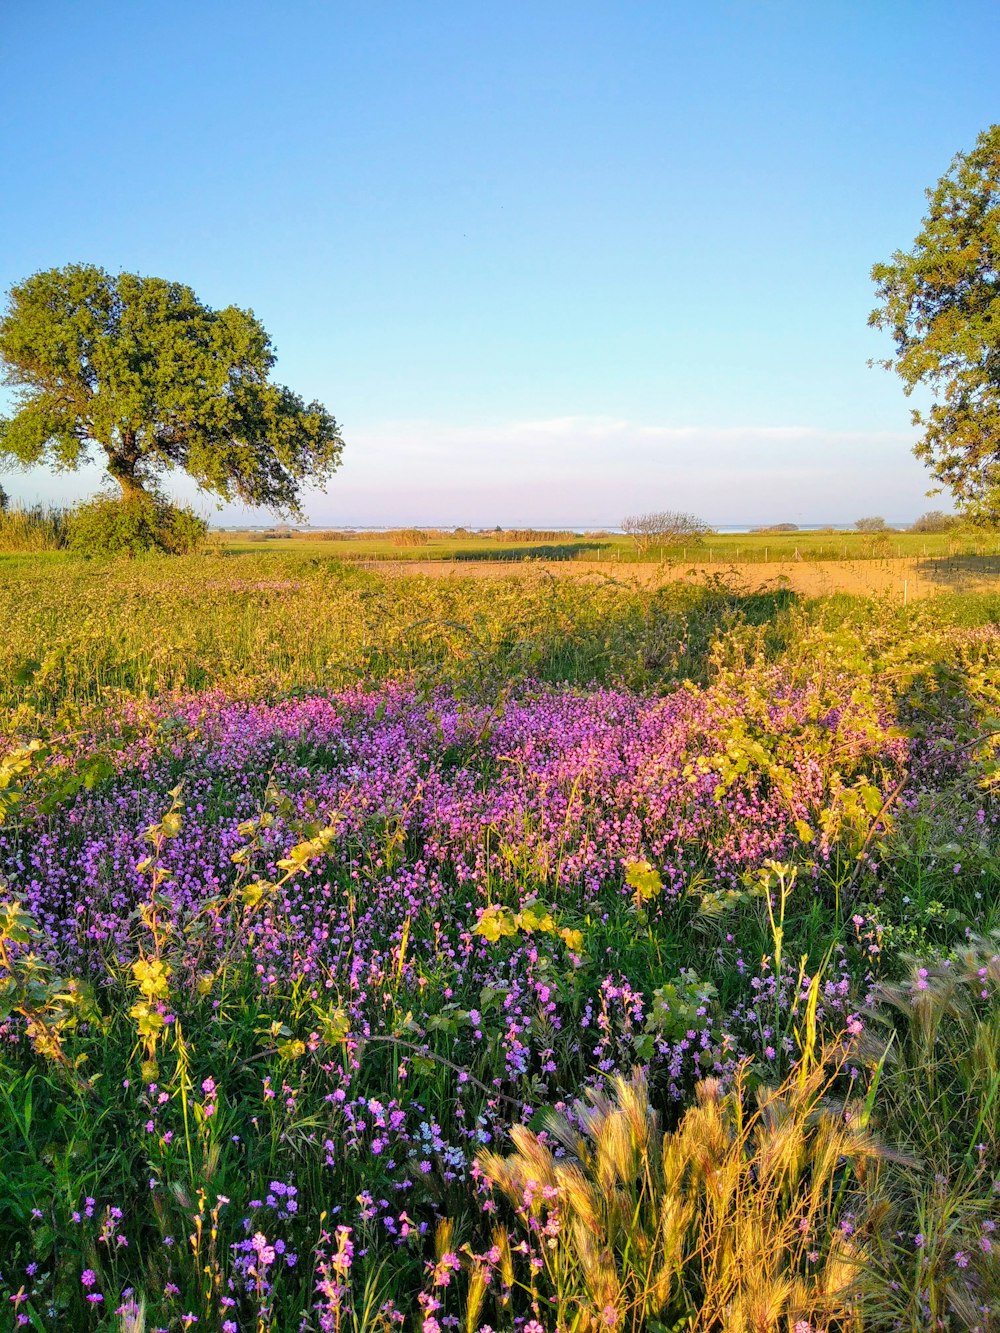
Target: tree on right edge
941	303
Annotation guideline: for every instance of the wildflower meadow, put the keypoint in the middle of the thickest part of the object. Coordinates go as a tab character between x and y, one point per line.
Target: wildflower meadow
548	955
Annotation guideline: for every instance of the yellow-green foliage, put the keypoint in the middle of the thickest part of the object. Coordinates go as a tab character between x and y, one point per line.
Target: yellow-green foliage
83	632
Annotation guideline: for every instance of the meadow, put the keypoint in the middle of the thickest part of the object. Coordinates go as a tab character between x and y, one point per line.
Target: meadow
382	951
514	546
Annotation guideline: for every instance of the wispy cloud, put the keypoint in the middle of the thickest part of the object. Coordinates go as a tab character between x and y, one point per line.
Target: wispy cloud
577	470
592	470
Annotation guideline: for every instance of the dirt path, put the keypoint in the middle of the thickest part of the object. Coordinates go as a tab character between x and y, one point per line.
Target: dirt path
895	579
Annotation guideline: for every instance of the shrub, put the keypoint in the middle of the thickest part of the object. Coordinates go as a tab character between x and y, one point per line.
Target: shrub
935	520
531	535
4	501
875	523
664	528
109	525
409	537
878	546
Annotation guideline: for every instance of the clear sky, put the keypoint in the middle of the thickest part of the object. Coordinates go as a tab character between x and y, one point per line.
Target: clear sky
547	262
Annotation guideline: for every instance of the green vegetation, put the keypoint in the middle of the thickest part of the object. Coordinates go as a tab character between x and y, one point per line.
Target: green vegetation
935	536
81	633
941	303
331	896
112	525
85	632
34	529
153	379
711	548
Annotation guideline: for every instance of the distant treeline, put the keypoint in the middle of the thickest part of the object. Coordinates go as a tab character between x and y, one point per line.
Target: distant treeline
419	536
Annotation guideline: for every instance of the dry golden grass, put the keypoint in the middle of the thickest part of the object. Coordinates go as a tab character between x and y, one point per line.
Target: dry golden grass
730	1221
894	579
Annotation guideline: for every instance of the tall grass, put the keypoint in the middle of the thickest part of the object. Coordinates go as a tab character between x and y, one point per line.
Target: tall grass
732	1220
30	529
79	633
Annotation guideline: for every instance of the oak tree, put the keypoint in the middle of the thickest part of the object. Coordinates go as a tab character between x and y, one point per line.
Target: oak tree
940	301
141	370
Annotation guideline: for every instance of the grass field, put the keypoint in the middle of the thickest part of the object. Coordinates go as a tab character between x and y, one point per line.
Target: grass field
715	548
383	950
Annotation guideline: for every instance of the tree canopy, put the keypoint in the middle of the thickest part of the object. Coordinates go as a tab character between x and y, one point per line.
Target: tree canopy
941	303
141	369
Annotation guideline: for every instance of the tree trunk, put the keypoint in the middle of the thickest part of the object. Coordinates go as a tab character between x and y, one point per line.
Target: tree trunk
122	464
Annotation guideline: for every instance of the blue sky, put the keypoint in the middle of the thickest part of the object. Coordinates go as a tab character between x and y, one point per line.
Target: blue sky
546	262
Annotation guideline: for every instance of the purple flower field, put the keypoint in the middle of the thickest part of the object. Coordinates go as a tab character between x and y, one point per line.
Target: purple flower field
439	808
303	960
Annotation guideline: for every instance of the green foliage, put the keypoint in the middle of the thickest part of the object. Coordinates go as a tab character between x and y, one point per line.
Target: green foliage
941	303
75	634
498	922
679	1007
875	523
936	520
134	524
142	370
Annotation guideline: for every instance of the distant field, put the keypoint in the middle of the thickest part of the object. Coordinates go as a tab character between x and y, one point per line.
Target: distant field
895	579
726	548
288	616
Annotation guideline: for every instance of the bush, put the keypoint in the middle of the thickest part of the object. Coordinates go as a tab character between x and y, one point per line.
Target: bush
936	520
110	525
532	535
664	528
4	500
876	523
409	537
